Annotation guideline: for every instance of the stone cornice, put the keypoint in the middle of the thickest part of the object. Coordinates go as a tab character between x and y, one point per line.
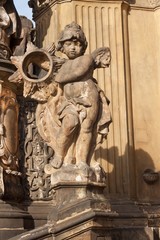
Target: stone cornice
40	6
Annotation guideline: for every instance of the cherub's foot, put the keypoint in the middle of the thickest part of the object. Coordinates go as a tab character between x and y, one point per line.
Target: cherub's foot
83	168
86	171
54	164
57	161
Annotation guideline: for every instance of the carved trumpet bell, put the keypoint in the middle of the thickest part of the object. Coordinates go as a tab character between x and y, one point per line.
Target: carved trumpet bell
37	66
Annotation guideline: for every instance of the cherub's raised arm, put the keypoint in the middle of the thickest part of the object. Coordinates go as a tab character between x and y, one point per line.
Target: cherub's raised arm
75	70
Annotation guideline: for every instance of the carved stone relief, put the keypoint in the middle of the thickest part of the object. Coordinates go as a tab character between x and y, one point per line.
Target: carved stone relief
35	154
9	145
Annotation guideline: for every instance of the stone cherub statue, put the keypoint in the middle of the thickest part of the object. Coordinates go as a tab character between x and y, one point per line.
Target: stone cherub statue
72	109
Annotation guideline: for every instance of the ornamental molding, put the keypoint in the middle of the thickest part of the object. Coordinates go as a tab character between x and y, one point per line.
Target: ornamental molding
39	6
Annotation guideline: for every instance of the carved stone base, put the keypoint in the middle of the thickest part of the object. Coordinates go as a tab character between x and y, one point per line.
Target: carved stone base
76	173
93	219
82	212
74	198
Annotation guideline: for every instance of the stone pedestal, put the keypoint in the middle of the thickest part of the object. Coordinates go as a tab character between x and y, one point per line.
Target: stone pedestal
82	212
75	198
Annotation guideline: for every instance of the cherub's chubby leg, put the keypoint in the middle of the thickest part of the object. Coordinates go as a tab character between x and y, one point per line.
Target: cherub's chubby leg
64	138
85	135
70	157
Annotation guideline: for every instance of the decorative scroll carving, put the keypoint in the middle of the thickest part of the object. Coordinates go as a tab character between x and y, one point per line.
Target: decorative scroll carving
35	154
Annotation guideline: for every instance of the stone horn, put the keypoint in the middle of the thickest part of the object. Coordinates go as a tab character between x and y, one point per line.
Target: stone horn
37	66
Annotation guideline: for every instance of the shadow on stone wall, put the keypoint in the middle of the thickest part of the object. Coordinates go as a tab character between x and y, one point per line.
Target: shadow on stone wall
128	171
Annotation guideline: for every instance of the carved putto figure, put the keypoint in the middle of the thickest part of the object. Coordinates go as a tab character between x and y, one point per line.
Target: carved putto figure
72	110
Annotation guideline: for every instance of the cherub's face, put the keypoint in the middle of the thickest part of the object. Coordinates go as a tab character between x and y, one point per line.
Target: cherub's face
72	48
105	60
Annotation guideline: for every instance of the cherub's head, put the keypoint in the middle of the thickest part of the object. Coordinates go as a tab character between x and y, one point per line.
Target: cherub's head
102	57
72	41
